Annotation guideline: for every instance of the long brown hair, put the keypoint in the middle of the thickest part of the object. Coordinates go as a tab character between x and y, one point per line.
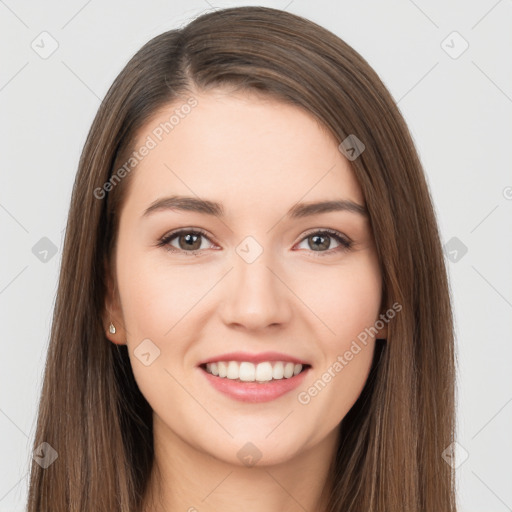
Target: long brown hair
389	456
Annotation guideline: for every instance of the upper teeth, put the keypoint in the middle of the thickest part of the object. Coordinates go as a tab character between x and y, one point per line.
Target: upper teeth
250	372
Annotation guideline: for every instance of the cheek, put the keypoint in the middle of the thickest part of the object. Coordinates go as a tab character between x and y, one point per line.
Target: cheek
356	305
350	312
161	303
328	397
156	296
155	301
344	298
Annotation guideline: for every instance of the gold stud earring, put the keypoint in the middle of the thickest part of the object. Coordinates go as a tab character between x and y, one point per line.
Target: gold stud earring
112	328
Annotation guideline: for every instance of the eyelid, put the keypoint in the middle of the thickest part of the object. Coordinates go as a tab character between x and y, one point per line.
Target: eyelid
164	240
345	242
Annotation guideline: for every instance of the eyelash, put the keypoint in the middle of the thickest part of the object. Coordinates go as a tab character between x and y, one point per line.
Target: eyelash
345	243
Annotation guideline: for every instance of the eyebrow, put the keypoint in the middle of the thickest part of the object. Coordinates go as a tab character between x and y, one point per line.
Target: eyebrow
299	210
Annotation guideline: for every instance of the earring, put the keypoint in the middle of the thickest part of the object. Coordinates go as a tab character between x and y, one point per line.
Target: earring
111	328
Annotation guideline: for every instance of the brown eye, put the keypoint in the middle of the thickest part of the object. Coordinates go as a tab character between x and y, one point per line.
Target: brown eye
188	241
320	242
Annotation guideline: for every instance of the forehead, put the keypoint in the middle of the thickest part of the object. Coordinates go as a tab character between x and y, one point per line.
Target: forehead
244	150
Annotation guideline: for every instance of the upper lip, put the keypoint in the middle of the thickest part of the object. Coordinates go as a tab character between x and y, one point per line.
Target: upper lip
253	358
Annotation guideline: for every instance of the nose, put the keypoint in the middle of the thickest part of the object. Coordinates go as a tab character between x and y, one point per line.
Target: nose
256	296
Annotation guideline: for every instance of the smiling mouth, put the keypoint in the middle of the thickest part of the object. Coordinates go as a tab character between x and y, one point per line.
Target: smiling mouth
264	372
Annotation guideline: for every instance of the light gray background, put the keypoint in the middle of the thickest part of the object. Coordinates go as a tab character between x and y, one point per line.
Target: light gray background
459	112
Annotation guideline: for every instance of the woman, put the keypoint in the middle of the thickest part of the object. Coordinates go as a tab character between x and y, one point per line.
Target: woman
253	310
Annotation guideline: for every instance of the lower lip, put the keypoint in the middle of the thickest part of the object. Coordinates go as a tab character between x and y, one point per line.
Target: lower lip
255	392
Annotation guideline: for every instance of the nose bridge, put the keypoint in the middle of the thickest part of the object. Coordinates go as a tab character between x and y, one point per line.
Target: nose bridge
255	297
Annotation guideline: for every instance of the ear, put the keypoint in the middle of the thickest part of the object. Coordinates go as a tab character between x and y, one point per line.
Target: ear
112	312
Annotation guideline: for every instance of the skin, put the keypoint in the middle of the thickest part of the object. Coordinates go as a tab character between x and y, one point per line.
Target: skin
258	157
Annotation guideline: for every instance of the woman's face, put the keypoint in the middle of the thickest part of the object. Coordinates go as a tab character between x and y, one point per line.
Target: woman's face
261	282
